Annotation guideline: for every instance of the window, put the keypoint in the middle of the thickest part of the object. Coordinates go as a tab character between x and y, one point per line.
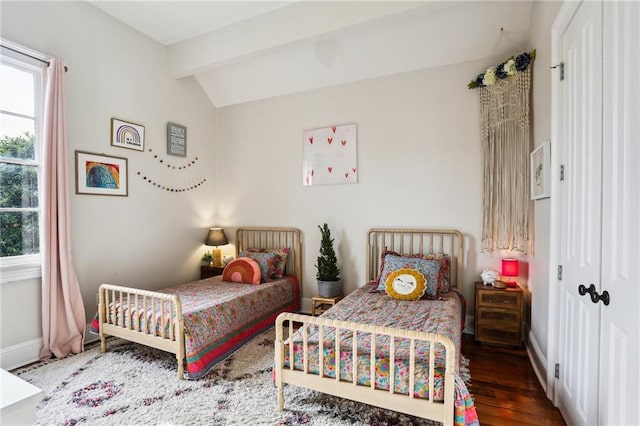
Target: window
20	169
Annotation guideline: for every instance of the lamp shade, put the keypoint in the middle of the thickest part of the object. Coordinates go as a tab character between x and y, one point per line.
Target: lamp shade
216	237
510	267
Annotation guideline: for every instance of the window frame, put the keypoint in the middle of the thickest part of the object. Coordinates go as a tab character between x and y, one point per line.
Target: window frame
29	266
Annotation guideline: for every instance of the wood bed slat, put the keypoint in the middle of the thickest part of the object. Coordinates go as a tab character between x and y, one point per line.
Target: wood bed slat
336	353
137	307
432	360
162	319
144	315
129	311
392	367
320	351
412	368
171	322
305	345
373	361
354	357
291	354
120	321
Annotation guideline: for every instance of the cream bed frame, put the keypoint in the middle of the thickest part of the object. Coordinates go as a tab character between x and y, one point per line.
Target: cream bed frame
406	241
114	322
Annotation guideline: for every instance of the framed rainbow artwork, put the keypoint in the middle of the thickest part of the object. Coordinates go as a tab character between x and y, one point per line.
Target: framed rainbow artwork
100	174
127	135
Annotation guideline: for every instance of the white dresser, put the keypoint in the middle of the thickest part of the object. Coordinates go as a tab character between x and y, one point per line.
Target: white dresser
18	400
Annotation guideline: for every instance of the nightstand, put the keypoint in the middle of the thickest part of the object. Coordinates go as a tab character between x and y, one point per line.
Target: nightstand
320	304
498	315
207	271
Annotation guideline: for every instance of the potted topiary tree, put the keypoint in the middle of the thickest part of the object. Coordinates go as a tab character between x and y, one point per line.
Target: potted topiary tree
329	283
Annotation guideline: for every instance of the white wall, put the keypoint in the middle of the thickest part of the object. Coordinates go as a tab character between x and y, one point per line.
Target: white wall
419	161
542	17
151	238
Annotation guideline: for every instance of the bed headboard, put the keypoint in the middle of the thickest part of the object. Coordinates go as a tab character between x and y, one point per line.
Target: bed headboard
416	241
274	238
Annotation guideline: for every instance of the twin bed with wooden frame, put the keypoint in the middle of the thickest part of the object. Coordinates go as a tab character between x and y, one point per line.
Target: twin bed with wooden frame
406	352
204	321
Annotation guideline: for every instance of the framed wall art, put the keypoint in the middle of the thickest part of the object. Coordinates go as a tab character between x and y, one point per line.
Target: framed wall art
176	140
127	135
330	155
100	174
540	171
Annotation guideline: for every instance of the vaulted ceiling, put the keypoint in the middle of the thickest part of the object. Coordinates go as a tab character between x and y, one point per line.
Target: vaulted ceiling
242	51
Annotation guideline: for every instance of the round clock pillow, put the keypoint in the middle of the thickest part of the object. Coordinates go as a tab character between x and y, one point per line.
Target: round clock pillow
406	284
242	270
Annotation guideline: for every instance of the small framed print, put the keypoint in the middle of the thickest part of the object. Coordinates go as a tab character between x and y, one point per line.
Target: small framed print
540	168
176	140
100	174
127	135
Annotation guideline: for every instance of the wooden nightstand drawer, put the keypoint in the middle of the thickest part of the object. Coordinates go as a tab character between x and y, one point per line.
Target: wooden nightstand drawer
509	317
501	298
207	271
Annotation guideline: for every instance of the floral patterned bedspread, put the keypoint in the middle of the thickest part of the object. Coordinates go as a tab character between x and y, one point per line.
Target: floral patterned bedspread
443	316
220	316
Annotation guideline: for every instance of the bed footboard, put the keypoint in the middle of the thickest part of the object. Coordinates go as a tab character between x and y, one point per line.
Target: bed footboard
146	317
441	410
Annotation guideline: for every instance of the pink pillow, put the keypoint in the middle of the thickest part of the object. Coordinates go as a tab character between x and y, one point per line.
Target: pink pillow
242	270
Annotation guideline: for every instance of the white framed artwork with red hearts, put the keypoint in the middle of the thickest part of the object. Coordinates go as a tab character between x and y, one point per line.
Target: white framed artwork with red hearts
330	155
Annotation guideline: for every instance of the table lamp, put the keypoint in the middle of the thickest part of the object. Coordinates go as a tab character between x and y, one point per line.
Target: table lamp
510	268
216	238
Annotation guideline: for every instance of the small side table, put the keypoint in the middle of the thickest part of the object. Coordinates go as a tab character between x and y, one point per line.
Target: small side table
207	271
498	315
320	304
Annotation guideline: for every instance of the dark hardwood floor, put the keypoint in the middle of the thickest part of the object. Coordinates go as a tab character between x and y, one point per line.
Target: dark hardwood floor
505	387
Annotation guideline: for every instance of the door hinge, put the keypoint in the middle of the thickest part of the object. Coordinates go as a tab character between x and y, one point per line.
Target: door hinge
559	272
557	371
562	172
561	66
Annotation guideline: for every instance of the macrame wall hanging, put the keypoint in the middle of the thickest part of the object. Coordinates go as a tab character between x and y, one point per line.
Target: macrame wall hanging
504	92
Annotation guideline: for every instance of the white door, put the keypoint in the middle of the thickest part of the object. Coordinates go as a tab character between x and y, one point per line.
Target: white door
620	337
580	238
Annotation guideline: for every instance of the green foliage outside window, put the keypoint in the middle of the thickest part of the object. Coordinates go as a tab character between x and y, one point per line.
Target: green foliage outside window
19	230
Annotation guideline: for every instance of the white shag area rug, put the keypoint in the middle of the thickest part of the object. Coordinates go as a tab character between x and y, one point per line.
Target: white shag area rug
135	385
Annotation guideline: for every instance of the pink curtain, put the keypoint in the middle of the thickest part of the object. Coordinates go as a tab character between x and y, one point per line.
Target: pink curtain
63	316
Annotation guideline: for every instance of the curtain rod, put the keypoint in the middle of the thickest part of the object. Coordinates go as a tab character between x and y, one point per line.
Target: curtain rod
44	61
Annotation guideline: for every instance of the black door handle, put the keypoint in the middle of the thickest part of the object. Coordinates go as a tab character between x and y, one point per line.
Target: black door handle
595	297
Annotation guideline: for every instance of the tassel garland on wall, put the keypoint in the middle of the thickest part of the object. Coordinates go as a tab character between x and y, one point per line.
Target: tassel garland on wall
173	188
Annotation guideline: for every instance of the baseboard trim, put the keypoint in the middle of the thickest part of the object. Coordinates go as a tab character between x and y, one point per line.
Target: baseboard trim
537	359
21	354
88	336
305	306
